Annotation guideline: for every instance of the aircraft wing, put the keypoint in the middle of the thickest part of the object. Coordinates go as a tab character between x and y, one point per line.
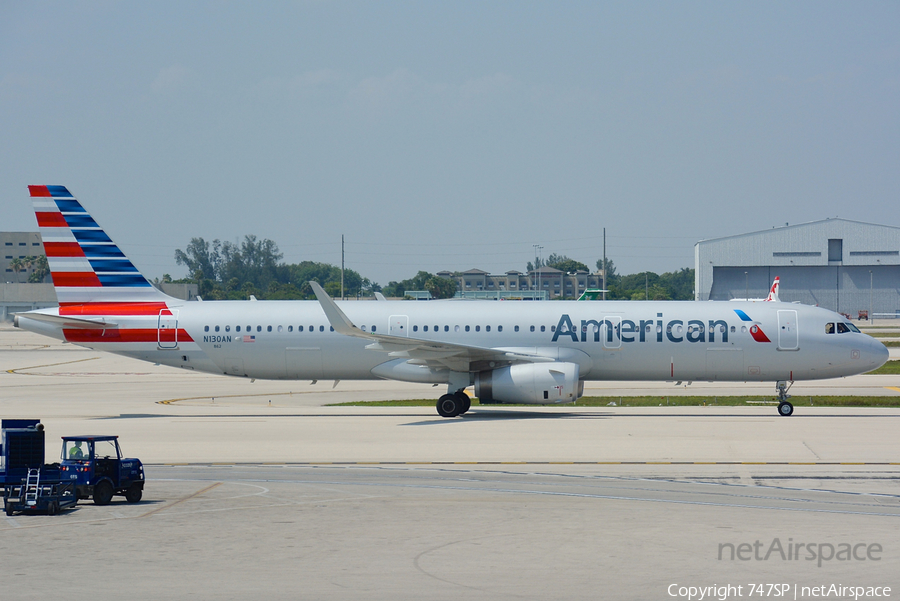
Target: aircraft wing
456	357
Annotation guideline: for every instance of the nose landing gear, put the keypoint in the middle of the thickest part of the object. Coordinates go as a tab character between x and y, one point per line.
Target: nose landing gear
784	407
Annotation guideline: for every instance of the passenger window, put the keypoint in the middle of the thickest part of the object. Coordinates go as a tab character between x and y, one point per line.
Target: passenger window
446	328
321	328
467	328
415	328
237	328
290	328
532	328
268	328
206	328
227	328
217	328
259	328
436	329
299	328
331	328
373	328
477	328
516	328
732	329
842	328
743	329
456	328
249	328
543	328
280	328
312	328
829	328
424	328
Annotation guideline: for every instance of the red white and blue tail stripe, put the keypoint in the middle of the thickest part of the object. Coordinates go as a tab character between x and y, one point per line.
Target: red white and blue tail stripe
86	265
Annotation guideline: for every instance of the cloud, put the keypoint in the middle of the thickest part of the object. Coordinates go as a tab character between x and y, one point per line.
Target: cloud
403	89
170	79
380	93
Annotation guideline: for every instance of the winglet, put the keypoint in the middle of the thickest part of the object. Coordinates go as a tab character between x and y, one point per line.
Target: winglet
338	320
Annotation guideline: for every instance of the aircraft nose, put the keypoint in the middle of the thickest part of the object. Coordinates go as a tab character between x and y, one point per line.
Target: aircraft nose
878	354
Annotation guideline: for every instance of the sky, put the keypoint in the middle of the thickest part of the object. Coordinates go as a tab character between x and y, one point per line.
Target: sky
450	135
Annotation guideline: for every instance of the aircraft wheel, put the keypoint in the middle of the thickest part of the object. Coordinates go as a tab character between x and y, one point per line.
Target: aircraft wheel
785	409
465	402
448	406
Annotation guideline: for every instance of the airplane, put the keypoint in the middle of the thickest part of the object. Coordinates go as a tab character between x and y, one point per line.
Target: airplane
771	297
512	352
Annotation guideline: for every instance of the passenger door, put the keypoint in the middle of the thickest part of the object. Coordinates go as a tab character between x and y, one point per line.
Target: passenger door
167	329
788	335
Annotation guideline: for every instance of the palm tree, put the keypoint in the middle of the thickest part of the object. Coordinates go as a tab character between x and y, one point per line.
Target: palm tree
28	262
16	265
41	269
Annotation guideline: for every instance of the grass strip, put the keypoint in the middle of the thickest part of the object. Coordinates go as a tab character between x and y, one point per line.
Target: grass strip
891	367
674	401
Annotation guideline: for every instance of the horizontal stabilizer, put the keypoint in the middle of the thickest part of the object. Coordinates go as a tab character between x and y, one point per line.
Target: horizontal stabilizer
68	322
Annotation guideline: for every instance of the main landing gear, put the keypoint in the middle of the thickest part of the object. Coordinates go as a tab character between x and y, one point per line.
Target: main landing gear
784	407
451	405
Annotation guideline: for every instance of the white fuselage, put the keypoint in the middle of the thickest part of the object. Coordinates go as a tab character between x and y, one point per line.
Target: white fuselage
609	340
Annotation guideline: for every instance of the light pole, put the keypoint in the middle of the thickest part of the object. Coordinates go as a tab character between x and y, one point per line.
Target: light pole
537	251
871	294
747	293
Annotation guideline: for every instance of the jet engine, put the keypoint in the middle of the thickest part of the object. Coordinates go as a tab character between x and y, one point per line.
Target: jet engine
538	383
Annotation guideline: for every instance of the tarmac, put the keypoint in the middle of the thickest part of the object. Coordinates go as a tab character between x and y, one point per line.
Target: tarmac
259	489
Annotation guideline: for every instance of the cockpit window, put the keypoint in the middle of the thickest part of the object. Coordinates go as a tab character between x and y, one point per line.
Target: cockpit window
842	328
852	328
829	328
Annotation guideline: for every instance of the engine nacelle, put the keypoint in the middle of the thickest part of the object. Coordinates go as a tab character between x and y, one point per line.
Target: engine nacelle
538	383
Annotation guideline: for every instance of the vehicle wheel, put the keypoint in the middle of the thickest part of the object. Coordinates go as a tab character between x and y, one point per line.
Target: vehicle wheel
785	409
9	509
448	405
103	493
465	403
134	493
51	509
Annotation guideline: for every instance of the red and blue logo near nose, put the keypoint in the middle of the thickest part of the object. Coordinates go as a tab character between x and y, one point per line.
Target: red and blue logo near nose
755	330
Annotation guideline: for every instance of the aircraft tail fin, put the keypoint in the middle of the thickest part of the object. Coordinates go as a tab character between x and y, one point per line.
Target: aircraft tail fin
85	264
773	291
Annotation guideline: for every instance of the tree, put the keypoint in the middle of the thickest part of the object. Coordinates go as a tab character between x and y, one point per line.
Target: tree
441	287
417	282
41	270
564	263
16	265
610	270
201	261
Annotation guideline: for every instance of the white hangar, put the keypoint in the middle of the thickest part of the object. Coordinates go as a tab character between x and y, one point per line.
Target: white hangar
843	265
